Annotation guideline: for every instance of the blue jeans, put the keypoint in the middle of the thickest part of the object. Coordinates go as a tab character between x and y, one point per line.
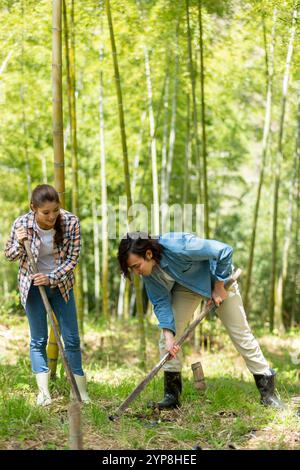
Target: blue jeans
66	317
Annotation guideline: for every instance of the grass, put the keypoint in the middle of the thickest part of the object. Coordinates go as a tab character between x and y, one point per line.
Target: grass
226	415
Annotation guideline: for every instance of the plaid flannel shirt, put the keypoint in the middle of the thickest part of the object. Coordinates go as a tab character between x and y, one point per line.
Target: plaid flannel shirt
66	256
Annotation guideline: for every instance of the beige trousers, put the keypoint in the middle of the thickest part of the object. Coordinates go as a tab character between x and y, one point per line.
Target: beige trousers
232	314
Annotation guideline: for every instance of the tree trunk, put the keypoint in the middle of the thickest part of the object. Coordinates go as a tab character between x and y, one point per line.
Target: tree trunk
71	86
96	253
173	116
71	82
58	138
137	156
85	285
195	114
156	224
104	214
279	156
25	136
44	168
5	62
296	270
203	124
293	199
187	161
166	193
24	122
139	303
265	141
286	248
121	297
165	138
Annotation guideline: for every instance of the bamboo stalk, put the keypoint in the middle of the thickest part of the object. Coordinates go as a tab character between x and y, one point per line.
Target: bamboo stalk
203	124
58	140
192	74
279	157
136	280
57	116
104	208
265	140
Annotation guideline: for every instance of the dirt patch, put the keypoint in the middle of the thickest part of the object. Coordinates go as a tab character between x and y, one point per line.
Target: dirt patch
14	341
273	438
275	343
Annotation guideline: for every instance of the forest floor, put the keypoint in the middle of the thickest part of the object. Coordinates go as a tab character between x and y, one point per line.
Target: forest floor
227	415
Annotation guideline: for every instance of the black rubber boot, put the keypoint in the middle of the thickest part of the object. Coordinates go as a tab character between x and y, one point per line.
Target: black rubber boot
173	387
266	386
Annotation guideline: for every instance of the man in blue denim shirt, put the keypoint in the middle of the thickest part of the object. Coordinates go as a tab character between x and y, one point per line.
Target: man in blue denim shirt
179	270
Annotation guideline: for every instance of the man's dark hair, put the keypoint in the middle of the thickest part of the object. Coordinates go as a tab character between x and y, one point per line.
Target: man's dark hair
137	243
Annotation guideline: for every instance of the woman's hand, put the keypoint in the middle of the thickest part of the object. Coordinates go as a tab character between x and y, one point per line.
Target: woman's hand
40	279
219	293
171	347
21	234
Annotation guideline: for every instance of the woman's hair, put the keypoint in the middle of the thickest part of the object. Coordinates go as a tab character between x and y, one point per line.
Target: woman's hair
137	243
45	193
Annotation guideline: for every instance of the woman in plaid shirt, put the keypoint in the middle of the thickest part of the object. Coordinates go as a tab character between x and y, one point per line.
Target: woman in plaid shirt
54	236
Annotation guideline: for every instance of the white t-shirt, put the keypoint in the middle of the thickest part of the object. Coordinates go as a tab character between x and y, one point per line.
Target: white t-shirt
162	277
46	260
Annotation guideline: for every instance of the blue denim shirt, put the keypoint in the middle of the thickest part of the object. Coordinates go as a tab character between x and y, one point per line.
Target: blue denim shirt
191	261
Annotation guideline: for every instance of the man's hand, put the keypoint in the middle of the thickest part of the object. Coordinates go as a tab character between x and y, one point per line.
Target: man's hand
40	279
170	343
218	294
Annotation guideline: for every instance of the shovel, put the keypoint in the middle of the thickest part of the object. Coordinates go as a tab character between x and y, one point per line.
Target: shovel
75	407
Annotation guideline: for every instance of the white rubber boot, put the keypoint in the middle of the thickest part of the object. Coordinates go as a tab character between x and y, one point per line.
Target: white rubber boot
42	380
81	384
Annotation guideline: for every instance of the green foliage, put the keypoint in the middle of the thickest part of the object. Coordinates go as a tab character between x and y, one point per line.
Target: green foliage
235	94
11	307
